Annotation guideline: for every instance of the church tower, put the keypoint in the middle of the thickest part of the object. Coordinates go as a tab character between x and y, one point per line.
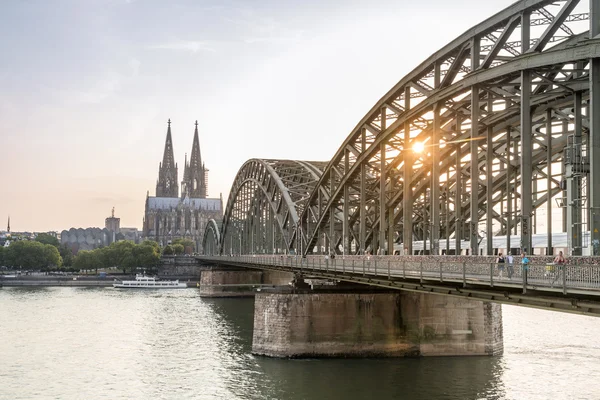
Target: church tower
194	175
167	185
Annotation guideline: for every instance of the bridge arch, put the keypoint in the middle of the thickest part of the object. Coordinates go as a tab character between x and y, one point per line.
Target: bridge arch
266	197
510	98
212	238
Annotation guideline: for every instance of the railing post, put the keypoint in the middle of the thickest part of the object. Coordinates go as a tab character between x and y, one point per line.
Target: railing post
404	269
491	274
363	267
343	265
389	273
441	276
524	272
375	262
352	266
421	267
564	274
464	268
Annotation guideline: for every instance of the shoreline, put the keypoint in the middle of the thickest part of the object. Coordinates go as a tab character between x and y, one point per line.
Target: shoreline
12	282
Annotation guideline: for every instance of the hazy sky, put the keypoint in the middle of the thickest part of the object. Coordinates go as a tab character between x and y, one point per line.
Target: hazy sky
87	86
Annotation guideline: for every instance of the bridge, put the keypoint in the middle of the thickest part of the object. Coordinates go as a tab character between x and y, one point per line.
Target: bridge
484	139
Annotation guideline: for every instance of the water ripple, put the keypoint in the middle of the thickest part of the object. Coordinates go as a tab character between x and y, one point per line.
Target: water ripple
70	343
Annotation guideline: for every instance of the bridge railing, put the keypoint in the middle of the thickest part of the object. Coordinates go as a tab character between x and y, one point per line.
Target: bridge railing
549	277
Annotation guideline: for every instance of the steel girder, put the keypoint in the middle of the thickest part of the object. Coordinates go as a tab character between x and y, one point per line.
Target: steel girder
495	104
211	239
264	203
495	110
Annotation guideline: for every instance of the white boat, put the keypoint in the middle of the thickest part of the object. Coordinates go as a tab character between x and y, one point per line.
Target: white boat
148	282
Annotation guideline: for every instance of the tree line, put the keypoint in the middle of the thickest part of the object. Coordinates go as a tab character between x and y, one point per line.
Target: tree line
125	255
46	253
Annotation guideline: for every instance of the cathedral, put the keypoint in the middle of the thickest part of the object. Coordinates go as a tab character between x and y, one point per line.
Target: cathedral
169	215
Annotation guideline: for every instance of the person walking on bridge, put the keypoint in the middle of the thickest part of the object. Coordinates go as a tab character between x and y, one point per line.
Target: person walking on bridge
559	266
525	265
509	267
500	261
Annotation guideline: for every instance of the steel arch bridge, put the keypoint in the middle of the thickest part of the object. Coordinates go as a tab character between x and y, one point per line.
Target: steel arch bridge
485	136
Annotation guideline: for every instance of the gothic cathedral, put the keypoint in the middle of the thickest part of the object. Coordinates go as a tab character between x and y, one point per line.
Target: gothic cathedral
169	216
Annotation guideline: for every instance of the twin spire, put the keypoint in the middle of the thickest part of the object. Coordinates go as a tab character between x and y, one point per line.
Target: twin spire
194	173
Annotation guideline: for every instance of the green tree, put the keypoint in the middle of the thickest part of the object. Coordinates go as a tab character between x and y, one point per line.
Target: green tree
52	256
168	251
178	248
1	255
187	244
32	255
66	254
46	238
121	255
147	256
87	259
152	244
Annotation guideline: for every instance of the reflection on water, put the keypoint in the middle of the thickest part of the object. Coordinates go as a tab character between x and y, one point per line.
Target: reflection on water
100	343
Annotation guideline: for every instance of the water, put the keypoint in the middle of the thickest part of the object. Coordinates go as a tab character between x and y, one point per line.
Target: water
82	343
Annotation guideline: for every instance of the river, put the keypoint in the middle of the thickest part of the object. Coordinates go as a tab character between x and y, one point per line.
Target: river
90	343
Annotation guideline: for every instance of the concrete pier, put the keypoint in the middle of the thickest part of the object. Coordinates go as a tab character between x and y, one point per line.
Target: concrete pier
231	282
395	324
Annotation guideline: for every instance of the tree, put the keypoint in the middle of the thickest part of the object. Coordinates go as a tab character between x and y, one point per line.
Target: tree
66	254
1	255
52	256
178	248
168	251
152	244
86	259
32	255
46	238
147	256
188	245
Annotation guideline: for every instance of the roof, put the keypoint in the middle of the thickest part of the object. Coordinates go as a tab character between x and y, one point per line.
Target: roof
165	203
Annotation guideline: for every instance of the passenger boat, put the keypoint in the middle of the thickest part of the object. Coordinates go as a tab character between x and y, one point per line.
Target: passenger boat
148	282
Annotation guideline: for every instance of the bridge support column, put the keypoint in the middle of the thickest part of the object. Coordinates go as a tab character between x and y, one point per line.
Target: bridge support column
594	113
232	282
374	324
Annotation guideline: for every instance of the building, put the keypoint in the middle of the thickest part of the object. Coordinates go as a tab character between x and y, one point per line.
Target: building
112	223
168	215
92	238
86	239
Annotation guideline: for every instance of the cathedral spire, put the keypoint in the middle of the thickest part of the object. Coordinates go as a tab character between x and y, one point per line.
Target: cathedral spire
167	185
168	158
8	227
196	158
194	176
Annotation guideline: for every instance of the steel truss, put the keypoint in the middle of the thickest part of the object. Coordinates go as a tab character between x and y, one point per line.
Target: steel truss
264	204
509	121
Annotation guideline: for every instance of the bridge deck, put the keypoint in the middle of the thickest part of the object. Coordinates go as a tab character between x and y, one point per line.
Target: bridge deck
571	288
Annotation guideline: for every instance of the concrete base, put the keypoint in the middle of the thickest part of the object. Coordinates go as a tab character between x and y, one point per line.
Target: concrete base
239	283
374	325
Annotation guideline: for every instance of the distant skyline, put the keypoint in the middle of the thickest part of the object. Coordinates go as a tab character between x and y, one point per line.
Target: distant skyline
87	87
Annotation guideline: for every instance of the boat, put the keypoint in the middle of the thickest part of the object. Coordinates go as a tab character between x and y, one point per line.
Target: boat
148	282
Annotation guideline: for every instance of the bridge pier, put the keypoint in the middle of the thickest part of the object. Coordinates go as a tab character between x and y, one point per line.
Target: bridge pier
239	282
374	324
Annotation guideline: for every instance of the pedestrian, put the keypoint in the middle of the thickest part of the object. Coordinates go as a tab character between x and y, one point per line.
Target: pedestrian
500	262
560	258
509	268
559	262
525	265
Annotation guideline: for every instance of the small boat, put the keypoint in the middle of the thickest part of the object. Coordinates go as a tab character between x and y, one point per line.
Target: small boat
148	282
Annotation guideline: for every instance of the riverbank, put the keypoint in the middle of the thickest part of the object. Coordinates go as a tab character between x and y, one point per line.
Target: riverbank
47	281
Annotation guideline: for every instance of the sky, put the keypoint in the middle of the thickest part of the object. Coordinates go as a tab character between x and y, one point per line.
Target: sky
87	87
